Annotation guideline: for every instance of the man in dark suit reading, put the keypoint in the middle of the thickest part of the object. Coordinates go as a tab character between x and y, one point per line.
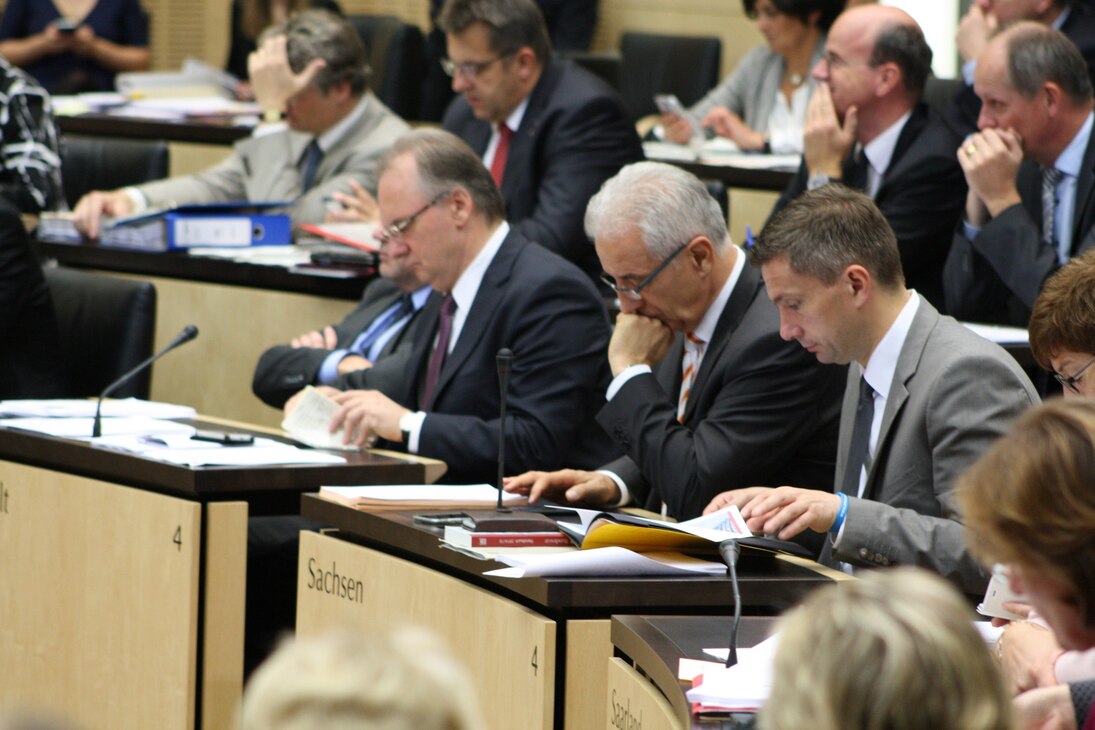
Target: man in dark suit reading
925	396
705	393
498	290
549	131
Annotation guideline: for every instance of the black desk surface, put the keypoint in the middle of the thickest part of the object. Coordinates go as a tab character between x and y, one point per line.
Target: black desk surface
109	125
738	177
179	265
767	587
201	483
657	643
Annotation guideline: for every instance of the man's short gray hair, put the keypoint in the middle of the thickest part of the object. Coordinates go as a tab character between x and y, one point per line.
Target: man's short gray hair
667	205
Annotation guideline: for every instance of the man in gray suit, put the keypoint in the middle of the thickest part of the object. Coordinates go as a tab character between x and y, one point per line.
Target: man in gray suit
311	70
925	396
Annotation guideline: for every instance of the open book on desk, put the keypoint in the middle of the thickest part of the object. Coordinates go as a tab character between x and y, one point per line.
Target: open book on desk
643	534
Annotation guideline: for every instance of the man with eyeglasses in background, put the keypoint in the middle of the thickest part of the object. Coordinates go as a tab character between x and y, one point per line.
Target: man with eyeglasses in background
495	289
705	392
549	131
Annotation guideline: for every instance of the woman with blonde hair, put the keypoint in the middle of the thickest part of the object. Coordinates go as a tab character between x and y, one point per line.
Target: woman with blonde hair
893	651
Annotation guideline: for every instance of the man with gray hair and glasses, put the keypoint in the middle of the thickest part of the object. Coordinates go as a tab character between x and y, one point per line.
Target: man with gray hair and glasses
1031	174
705	393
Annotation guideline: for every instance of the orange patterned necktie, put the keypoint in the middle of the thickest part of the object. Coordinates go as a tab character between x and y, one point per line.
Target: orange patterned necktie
693	353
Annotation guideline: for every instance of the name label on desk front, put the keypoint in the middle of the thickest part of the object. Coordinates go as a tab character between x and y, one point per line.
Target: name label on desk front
622	718
334	584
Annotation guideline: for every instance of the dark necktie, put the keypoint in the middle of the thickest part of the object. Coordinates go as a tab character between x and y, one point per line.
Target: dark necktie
382	324
1051	177
440	350
310	160
501	154
857	170
861	438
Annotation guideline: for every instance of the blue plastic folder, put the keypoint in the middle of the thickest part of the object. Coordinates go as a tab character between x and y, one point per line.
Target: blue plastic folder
231	224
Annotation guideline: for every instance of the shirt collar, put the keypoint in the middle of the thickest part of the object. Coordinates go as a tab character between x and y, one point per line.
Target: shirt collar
883	363
466	287
1056	24
334	135
419	297
513	121
880	150
1071	158
705	330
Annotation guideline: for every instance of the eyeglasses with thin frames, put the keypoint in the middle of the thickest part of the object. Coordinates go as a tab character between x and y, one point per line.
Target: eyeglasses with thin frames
469	69
395	230
1071	381
635	293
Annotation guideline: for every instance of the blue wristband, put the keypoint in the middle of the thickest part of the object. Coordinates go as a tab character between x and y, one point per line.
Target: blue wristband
841	514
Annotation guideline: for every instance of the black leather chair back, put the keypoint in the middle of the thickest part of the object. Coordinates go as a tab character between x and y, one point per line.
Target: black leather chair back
397	53
107	326
687	66
90	163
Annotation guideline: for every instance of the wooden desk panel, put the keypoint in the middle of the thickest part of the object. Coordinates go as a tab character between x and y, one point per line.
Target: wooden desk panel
508	649
579	608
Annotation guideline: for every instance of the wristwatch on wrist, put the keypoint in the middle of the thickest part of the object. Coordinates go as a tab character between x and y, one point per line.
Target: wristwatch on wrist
817	179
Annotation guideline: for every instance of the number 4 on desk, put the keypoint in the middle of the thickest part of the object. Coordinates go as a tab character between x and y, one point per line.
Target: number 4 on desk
535	662
177	538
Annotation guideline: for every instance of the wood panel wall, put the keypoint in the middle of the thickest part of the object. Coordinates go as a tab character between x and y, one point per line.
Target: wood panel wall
199	28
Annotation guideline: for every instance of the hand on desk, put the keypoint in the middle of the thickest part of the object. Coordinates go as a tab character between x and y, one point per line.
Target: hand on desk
782	511
273	80
357	206
89	211
566	485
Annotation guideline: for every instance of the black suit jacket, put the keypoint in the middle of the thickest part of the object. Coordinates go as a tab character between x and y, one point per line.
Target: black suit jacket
575	135
549	314
283	370
997	276
762	411
1079	27
30	360
922	195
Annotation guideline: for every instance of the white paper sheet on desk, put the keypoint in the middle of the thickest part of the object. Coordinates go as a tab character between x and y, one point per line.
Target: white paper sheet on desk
85	408
470	493
1000	334
285	256
81	428
181	449
310	419
747	161
746	685
609	561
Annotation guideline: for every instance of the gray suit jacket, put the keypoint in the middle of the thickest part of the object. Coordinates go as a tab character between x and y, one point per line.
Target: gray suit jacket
265	169
953	394
283	370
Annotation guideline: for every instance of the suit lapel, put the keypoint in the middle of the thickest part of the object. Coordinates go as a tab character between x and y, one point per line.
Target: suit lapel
483	309
909	134
1084	210
740	298
519	162
907	363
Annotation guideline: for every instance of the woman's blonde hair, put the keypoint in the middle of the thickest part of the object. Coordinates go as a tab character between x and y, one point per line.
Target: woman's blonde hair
894	651
403	680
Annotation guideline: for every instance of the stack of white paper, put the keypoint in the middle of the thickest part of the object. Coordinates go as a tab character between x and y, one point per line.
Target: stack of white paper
744	686
609	561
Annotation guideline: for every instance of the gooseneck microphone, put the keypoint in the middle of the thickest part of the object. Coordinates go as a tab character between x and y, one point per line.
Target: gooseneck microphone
188	333
729	550
504	359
